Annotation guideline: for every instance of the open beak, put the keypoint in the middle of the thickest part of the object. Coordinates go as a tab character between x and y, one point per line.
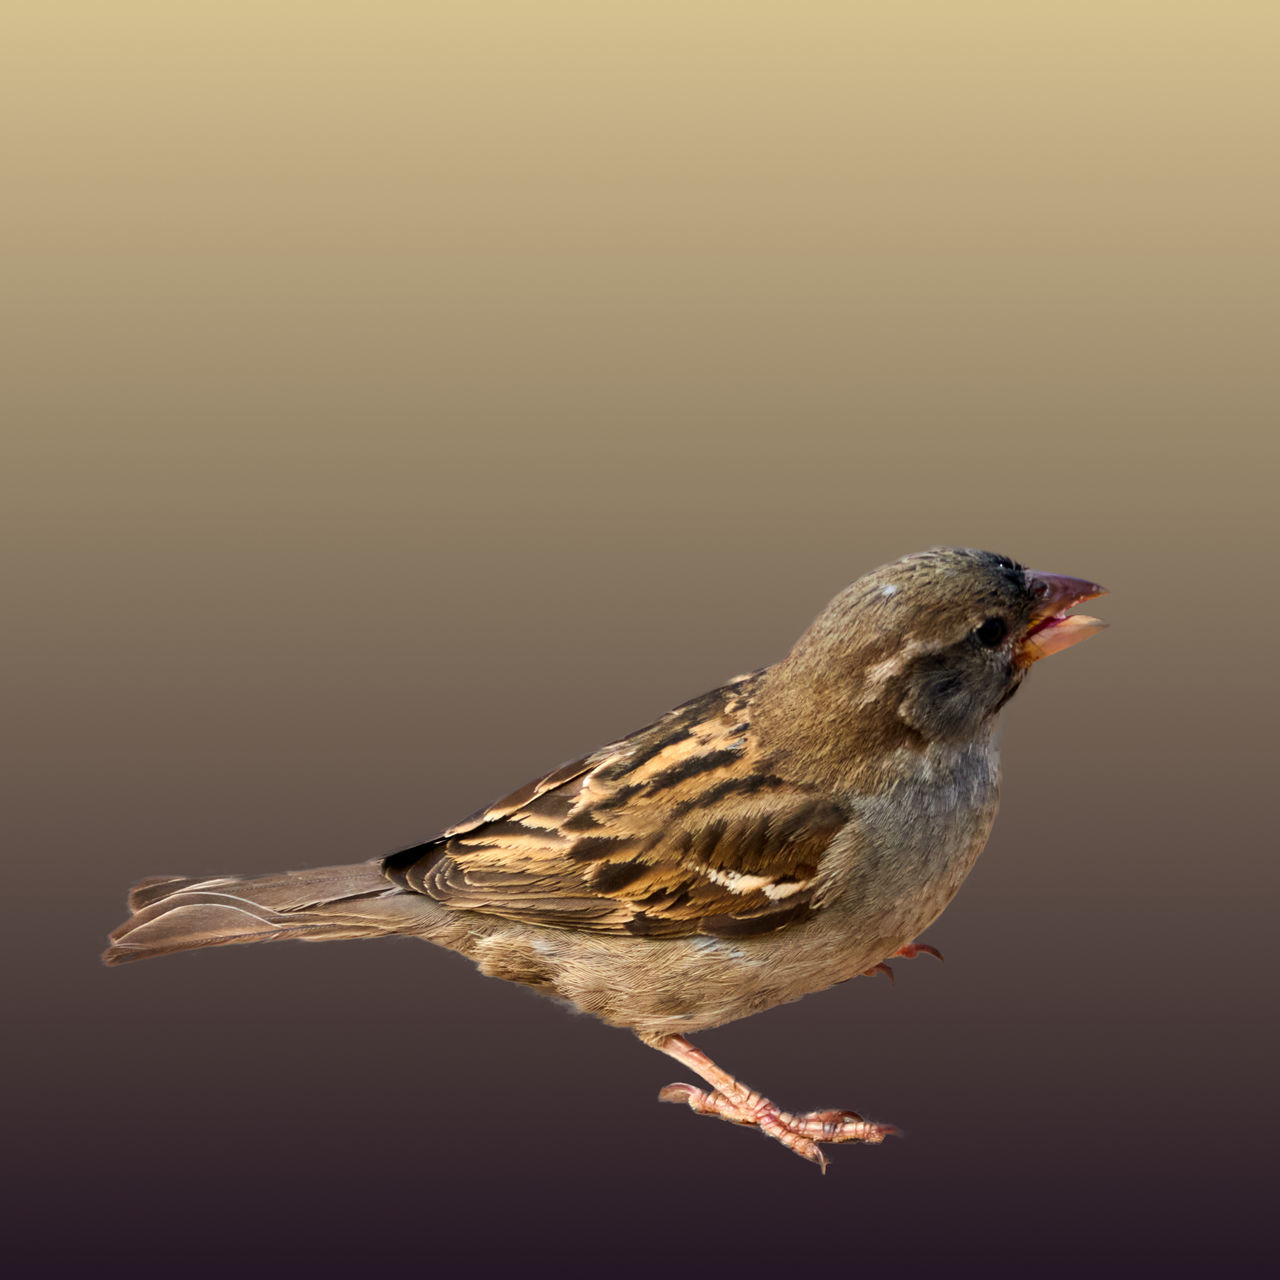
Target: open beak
1051	629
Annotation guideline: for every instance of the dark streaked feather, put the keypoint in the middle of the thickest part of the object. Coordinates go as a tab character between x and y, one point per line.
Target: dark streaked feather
679	829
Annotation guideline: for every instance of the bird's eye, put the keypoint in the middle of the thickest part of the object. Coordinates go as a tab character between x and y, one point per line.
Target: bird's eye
992	632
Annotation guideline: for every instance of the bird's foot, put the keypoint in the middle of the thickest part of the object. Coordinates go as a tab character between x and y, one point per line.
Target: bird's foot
730	1100
909	952
800	1133
913	949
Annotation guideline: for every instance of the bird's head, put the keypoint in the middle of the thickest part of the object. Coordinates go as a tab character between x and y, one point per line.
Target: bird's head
936	643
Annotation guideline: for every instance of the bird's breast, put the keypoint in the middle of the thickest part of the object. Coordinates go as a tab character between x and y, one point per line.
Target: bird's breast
912	841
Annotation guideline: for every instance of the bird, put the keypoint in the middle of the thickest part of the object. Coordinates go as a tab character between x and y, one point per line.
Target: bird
797	827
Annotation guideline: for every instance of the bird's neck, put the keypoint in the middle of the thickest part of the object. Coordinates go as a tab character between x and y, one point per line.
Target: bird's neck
837	729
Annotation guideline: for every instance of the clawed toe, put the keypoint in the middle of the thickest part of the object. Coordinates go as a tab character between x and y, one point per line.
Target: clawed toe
706	1102
913	949
849	1126
679	1093
908	952
839	1126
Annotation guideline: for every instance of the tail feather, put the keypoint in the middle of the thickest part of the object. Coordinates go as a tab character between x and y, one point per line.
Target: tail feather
174	914
145	892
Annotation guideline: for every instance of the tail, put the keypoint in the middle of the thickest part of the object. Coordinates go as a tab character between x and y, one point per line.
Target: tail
355	901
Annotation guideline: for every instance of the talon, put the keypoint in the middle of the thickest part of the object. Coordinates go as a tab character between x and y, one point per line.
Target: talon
881	968
681	1093
913	949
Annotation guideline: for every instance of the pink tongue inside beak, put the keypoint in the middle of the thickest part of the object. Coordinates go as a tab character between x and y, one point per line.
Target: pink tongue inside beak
1051	630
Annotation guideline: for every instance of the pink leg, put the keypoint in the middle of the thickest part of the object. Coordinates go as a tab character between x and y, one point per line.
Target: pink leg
730	1100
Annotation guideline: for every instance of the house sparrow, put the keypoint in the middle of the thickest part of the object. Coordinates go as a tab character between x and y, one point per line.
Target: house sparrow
790	830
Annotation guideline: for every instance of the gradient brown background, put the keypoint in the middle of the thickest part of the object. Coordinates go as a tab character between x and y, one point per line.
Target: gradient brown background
408	397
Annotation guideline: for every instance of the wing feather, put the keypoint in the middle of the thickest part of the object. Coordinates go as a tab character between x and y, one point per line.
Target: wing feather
681	828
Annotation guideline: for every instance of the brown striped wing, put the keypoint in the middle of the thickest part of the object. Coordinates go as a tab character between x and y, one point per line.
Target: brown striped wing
679	829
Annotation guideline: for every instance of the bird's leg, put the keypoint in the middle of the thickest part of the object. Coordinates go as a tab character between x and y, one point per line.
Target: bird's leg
731	1100
908	952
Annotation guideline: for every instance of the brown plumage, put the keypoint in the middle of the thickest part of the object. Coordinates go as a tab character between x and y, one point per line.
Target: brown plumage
785	832
681	828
